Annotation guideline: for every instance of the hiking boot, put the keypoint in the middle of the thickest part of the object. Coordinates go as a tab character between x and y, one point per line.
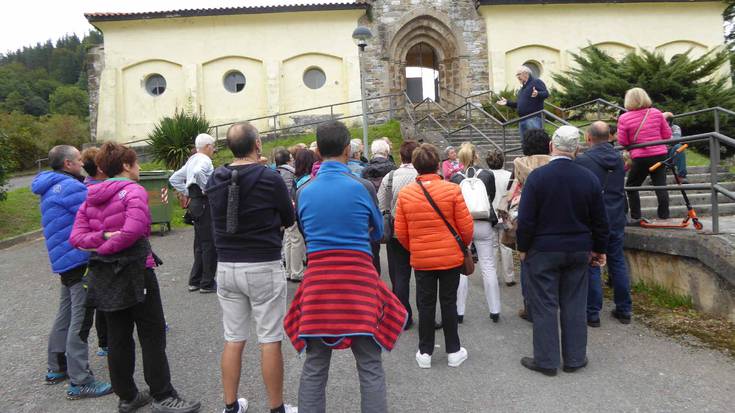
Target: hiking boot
175	404
457	358
89	390
55	377
141	399
530	363
623	318
593	323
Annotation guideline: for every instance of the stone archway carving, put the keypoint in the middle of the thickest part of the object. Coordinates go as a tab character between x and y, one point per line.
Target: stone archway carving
423	26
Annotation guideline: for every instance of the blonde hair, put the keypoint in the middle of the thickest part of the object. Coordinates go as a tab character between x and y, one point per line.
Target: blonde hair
467	155
637	98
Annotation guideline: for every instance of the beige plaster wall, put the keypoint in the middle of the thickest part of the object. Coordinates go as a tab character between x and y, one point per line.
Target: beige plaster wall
193	54
548	34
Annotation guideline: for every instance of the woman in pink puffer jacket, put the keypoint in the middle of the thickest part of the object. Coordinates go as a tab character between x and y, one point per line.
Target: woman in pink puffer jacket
114	222
650	125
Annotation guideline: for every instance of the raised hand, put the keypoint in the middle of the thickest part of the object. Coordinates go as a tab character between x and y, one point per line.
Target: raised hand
502	102
534	93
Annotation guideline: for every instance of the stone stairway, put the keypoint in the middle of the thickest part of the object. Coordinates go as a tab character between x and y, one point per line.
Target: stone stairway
700	199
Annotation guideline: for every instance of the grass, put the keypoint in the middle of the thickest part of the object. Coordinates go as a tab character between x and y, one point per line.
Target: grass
19	213
662	297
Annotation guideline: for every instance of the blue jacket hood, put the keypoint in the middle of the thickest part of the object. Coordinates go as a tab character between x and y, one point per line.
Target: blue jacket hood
607	164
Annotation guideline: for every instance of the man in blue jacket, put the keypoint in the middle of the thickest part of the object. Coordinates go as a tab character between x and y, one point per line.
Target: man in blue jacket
605	162
562	230
530	100
62	192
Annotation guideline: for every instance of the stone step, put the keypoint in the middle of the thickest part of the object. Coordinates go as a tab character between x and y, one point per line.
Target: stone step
704	169
728	185
697	178
680	211
675	199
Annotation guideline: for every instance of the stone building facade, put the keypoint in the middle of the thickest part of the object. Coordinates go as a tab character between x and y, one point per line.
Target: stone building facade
269	62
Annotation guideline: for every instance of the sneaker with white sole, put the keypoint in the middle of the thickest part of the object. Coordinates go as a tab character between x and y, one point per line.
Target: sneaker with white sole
243	402
455	359
423	360
290	409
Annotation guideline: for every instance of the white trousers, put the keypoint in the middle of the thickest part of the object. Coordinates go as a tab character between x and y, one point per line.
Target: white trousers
503	258
294	251
485	239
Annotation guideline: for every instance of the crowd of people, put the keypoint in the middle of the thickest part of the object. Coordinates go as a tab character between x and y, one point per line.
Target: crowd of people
319	216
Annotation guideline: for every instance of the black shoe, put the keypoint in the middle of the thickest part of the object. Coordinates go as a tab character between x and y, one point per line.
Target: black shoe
175	404
510	284
141	399
207	290
495	317
408	325
593	323
634	222
523	313
530	364
193	288
437	325
569	369
623	318
460	319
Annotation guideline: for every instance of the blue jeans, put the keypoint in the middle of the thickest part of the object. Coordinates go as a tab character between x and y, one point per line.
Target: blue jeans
680	160
618	272
534	122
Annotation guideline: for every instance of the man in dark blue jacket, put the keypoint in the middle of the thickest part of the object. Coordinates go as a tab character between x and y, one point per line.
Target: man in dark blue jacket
62	193
562	230
605	162
530	100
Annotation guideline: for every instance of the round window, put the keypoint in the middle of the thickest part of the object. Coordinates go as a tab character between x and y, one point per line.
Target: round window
314	78
155	85
234	81
535	68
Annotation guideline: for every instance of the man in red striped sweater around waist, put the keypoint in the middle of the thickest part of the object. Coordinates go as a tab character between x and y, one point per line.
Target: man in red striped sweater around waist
342	303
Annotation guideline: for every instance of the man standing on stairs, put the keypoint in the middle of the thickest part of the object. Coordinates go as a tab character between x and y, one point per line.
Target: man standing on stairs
605	162
530	100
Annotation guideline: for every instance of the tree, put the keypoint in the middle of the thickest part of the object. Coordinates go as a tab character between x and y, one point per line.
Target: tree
69	100
14	102
35	106
172	139
6	165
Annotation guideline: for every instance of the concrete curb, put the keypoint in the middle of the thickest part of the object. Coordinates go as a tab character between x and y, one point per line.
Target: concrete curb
19	239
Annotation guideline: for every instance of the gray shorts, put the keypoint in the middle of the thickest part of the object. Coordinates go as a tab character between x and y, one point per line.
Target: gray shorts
257	289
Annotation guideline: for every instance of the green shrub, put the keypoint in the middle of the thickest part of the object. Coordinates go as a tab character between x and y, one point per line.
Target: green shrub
5	166
172	139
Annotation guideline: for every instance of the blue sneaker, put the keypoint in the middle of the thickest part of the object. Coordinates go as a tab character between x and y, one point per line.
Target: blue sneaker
55	377
102	352
93	389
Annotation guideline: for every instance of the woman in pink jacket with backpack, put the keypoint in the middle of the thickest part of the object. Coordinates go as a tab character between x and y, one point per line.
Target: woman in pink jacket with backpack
640	124
114	223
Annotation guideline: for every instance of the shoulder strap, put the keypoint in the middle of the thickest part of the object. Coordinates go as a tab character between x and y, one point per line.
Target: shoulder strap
456	236
607	176
643	122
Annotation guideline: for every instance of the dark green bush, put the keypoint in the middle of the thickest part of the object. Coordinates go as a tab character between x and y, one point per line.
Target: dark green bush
172	139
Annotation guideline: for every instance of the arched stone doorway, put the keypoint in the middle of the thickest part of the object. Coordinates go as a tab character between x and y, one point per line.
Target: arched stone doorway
422	36
422	73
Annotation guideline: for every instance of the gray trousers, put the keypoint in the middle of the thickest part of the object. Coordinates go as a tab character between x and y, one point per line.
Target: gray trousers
312	390
66	349
558	293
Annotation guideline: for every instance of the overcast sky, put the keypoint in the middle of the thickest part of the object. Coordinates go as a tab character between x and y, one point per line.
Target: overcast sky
26	22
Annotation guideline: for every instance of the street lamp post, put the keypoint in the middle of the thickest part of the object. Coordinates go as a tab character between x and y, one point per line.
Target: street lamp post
361	35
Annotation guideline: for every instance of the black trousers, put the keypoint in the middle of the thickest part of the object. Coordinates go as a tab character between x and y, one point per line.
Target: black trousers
375	246
147	318
638	173
205	256
426	290
399	271
558	295
100	324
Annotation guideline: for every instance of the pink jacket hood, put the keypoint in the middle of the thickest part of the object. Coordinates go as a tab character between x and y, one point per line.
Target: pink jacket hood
112	205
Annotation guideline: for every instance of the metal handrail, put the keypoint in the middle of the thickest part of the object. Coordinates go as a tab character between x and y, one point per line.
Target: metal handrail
430	117
473	127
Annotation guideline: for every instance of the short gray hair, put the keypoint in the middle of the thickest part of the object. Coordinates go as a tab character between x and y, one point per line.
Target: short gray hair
380	147
59	154
203	140
354	147
524	69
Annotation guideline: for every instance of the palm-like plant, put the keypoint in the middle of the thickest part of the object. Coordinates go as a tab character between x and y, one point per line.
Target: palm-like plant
172	139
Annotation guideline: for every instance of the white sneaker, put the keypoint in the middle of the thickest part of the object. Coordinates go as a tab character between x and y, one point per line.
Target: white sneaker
243	402
290	409
455	359
424	360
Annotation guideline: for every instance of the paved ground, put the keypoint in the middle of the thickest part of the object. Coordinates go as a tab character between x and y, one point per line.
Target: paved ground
20	182
632	369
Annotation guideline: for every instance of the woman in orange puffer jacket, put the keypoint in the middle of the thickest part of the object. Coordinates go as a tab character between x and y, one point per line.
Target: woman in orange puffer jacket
435	254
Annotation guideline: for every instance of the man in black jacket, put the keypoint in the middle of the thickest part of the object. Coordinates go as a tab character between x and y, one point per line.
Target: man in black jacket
606	163
530	100
562	229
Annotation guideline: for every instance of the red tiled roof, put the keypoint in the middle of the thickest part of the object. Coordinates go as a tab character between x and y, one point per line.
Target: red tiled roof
222	11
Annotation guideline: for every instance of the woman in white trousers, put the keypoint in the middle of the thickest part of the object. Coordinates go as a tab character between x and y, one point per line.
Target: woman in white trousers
485	237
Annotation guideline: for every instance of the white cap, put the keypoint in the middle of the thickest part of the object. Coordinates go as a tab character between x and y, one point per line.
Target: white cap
566	138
